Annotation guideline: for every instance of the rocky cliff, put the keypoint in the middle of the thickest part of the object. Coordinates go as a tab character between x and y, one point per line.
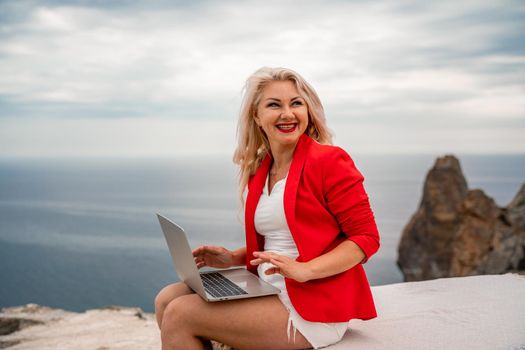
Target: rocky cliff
40	327
34	326
461	232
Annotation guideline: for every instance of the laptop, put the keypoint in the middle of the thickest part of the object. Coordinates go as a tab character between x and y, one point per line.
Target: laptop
216	285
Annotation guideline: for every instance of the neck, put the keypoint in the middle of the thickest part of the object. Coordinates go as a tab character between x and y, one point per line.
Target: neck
282	157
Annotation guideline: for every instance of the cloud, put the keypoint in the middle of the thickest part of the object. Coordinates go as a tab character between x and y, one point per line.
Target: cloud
412	63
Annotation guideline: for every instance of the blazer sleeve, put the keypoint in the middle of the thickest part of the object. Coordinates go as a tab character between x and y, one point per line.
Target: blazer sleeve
347	200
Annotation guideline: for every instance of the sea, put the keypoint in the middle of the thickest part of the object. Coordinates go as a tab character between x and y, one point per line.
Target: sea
81	233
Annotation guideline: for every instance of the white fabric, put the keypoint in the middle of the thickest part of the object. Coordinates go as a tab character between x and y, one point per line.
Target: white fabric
270	221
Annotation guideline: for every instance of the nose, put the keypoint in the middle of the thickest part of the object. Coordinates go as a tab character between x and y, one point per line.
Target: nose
287	112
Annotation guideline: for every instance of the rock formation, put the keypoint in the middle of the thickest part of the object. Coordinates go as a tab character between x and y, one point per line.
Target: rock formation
461	232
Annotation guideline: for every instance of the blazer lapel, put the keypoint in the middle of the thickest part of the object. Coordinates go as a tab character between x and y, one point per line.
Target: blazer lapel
254	241
292	183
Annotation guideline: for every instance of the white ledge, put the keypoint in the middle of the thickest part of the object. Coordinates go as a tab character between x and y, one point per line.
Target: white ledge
479	312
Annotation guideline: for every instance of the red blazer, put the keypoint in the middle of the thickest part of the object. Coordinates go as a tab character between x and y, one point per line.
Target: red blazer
324	204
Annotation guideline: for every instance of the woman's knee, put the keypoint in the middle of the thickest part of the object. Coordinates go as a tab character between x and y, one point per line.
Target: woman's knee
169	293
179	329
179	312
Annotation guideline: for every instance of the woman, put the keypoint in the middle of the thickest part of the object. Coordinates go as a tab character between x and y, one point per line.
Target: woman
309	228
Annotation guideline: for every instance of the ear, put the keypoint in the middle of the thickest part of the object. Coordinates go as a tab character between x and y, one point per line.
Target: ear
256	119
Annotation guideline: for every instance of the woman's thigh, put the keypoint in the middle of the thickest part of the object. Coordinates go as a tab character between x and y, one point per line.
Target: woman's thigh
254	323
172	291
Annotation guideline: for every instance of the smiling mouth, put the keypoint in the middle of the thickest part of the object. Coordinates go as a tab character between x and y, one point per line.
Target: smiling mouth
286	128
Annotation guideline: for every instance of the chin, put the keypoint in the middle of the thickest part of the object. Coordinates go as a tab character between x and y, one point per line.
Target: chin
288	139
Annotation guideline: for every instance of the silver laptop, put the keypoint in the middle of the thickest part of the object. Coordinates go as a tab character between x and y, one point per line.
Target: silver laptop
216	285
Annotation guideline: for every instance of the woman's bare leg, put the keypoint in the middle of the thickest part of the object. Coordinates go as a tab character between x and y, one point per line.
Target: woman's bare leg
167	295
255	323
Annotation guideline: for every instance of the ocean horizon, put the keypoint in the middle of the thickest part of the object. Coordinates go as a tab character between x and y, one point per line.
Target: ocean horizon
82	233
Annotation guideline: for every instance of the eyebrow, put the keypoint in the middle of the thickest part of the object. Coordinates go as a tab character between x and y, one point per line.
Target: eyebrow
276	99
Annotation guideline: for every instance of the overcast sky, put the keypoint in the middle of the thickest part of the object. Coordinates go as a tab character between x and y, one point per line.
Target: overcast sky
158	78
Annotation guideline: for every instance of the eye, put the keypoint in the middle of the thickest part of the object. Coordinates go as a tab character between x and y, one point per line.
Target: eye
272	104
297	103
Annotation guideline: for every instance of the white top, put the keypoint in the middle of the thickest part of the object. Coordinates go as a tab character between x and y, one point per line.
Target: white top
270	222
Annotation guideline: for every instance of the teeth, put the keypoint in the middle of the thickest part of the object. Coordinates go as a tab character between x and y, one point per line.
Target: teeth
286	127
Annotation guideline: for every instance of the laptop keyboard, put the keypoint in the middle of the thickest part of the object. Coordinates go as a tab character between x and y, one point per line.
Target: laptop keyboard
219	286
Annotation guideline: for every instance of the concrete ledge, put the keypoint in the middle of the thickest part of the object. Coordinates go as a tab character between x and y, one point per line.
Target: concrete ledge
479	312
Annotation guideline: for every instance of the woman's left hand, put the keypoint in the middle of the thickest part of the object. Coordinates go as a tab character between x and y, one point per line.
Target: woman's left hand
283	265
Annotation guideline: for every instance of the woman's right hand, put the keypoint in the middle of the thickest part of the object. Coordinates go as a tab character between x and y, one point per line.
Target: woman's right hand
213	256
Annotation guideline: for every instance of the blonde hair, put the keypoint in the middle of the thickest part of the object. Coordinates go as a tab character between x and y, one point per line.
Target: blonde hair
253	145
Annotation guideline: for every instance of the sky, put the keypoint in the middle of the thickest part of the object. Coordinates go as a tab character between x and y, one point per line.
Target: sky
165	78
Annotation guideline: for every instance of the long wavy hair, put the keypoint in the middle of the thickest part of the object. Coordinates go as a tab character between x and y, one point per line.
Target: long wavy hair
253	145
